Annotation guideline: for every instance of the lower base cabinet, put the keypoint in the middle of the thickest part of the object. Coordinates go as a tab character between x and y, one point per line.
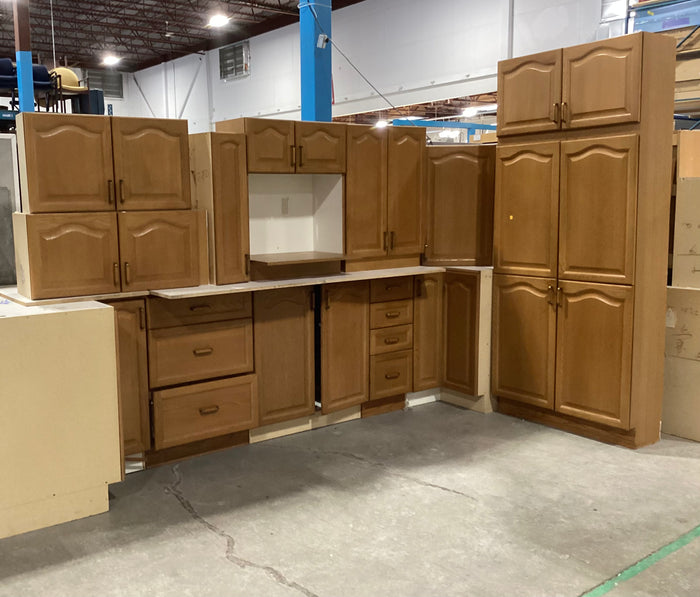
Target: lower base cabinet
427	332
284	353
199	411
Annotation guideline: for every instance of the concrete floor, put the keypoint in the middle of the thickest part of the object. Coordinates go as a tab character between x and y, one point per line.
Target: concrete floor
430	501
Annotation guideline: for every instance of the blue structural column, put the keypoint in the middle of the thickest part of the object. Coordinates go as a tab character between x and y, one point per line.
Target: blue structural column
25	79
316	85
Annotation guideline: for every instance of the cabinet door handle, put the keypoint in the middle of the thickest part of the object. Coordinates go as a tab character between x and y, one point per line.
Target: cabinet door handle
551	297
203	352
560	297
386	240
393	240
565	113
391	340
127	272
209	410
392	375
115	273
418	287
392	314
247	264
110	192
200	308
328	298
556	113
292	155
122	197
142	318
301	159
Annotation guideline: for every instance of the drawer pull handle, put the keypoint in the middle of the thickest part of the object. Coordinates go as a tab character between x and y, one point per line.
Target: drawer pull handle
202	352
208	410
392	286
392	314
393	375
391	340
200	308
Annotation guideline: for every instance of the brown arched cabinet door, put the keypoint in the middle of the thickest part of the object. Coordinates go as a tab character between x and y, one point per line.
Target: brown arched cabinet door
523	338
320	147
594	352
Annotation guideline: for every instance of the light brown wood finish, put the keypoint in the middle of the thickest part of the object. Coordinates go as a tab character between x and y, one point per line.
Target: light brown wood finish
601	82
460	205
61	255
383	406
344	345
391	313
390	374
427	332
461	332
203	351
320	147
405	180
284	353
526	209
529	92
196	448
151	163
220	187
65	162
365	192
399	337
132	368
270	142
597	209
523	337
594	352
199	411
159	249
390	289
165	313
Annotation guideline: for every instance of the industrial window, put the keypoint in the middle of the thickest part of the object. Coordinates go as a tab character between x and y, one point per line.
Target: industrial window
234	61
110	81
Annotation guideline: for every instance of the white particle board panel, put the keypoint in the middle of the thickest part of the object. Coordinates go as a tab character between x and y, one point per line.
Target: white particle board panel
59	413
11	293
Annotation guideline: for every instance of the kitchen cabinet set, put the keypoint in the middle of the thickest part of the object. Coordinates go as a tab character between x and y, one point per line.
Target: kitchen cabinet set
580	236
106	206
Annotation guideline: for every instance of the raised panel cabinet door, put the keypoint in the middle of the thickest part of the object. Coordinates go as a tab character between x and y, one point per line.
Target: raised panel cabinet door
460	205
602	82
284	353
320	147
529	94
151	163
67	254
427	332
461	341
133	375
270	145
594	352
65	162
598	209
231	231
523	339
405	172
344	345
159	249
365	192
526	209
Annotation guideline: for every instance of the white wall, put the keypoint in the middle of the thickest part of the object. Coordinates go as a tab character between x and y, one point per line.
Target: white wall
412	50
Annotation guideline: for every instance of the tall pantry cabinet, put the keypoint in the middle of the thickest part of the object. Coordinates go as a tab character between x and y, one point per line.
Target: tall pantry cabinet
580	236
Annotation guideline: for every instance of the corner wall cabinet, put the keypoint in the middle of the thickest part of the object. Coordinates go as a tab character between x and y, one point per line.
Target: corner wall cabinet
77	163
580	237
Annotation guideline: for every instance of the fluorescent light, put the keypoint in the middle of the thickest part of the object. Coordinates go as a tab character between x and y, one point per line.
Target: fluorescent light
218	20
380	124
470	112
110	60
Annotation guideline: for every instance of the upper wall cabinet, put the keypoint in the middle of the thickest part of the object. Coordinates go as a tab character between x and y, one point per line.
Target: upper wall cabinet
459	211
588	85
75	163
285	146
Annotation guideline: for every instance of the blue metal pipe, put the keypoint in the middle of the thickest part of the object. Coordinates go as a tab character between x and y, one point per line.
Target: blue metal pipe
315	54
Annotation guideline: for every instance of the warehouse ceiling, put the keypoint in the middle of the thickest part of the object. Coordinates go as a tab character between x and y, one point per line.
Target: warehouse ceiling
141	32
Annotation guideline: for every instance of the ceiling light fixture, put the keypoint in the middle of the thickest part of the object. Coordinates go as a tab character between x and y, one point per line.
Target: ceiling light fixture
110	60
380	124
218	20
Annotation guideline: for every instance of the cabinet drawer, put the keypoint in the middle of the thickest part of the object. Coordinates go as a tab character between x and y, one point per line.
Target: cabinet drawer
390	374
198	411
390	289
398	337
165	313
384	315
194	352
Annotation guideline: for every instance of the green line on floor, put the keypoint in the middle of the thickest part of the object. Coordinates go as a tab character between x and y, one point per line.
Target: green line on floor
643	564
